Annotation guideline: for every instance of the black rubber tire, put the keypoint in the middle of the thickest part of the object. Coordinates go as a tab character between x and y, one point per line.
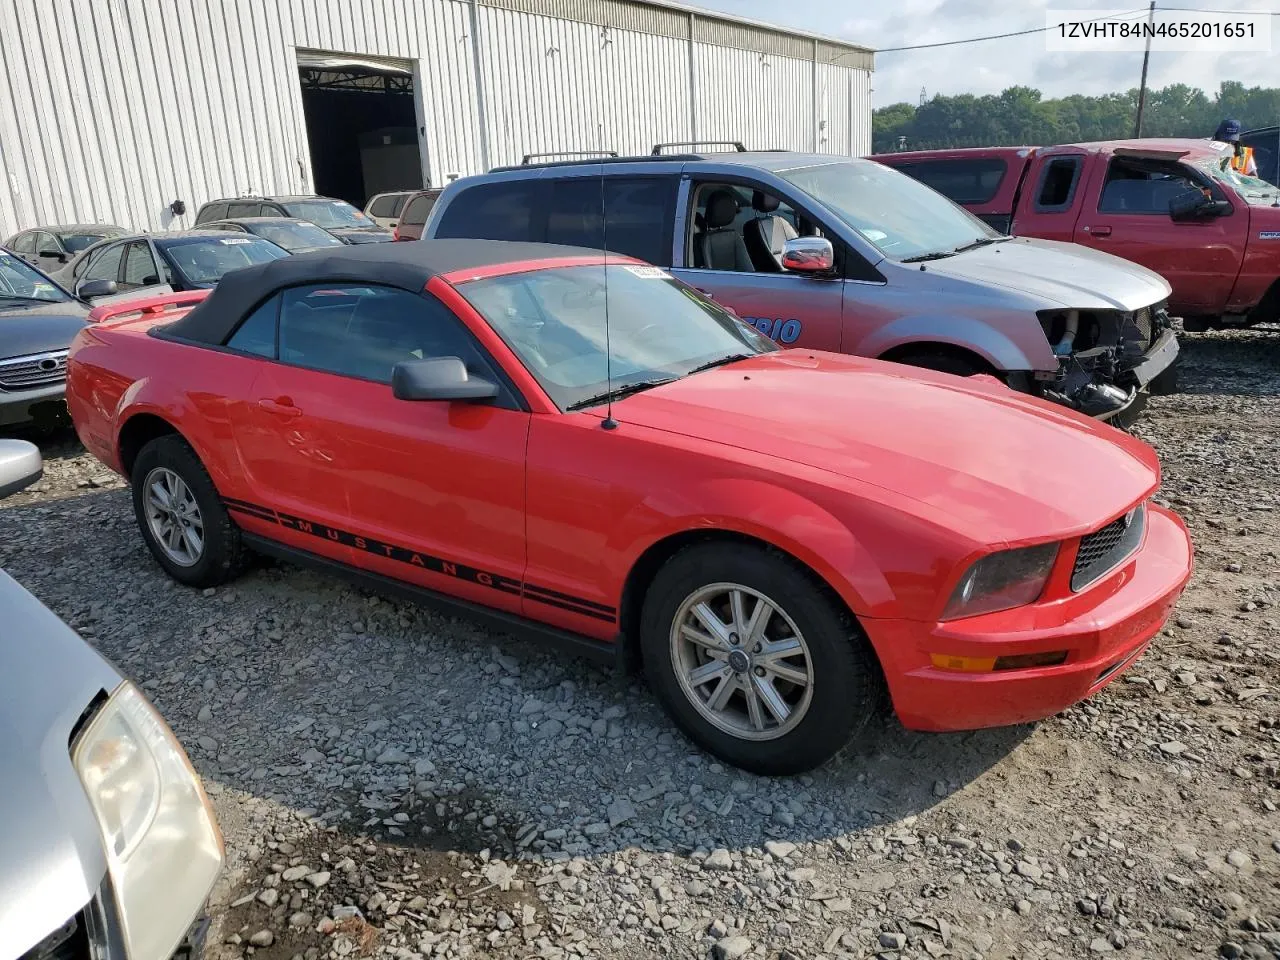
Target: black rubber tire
943	361
225	555
849	687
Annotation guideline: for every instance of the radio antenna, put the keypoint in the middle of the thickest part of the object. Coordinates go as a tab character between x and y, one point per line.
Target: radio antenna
609	423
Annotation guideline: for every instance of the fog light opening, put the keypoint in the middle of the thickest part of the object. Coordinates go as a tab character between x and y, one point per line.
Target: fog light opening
1025	661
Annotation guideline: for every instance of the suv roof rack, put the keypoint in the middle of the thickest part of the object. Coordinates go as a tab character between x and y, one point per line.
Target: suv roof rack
597	160
658	148
530	157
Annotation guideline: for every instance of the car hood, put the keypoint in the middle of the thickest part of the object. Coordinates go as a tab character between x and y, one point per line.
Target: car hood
1063	274
362	234
51	859
38	329
989	463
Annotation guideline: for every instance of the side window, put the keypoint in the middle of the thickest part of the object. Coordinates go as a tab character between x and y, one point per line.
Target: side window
1058	182
738	229
398	202
106	264
211	211
245	210
383	206
966	180
417	210
257	332
638	215
364	331
25	243
139	266
1143	187
490	211
45	243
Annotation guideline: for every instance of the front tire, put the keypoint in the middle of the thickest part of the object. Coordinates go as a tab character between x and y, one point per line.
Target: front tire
943	361
181	516
754	660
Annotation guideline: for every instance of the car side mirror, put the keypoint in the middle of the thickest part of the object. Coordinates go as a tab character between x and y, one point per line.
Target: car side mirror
439	378
89	289
1194	205
808	255
20	466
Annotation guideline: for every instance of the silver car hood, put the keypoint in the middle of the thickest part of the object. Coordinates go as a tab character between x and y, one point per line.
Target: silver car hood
1062	274
51	860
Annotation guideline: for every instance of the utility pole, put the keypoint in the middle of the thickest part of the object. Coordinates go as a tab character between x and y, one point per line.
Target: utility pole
1146	57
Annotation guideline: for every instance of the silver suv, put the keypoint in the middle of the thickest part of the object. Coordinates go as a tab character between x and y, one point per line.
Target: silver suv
108	844
840	254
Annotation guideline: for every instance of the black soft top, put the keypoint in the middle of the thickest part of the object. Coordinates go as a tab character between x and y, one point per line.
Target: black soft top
408	265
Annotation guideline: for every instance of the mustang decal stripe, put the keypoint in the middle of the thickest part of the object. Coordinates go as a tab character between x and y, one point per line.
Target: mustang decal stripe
424	561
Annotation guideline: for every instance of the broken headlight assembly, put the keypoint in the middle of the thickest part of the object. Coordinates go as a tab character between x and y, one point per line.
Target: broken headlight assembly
162	844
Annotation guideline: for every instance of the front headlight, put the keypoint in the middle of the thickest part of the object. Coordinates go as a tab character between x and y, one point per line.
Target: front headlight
162	843
1010	578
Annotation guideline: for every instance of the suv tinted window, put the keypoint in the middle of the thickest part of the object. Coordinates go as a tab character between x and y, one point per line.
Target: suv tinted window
245	210
387	205
965	180
418	209
364	330
211	211
490	211
1058	183
638	215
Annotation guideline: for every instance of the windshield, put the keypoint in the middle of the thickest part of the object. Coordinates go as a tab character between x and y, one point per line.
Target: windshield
1253	190
899	216
203	261
328	213
295	236
75	242
659	329
18	281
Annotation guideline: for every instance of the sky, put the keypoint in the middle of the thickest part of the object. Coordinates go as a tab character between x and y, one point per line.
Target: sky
991	66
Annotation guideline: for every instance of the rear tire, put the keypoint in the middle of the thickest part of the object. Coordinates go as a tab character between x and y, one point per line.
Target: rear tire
812	674
181	516
943	361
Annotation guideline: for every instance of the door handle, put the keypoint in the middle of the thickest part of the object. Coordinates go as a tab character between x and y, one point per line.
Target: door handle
1101	231
280	406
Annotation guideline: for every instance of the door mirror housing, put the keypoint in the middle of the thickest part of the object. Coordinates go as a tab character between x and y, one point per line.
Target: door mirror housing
439	378
1194	205
89	289
20	466
811	255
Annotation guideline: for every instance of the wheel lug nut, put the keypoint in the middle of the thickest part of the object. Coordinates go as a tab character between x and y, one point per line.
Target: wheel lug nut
759	671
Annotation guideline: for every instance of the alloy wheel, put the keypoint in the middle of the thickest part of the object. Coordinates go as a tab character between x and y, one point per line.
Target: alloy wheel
173	517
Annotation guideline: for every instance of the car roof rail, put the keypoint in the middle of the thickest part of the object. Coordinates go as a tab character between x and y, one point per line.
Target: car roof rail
594	161
530	158
659	148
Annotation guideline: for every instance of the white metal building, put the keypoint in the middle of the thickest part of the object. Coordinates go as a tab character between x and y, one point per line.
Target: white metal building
114	109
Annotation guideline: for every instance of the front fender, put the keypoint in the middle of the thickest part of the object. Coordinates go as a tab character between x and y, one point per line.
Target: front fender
780	517
967	333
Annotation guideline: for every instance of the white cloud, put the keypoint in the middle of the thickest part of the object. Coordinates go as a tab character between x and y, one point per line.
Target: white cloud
993	65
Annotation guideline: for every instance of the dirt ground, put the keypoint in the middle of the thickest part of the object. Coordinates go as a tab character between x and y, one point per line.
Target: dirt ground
393	783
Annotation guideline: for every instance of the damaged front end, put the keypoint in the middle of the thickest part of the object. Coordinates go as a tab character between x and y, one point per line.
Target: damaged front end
1106	358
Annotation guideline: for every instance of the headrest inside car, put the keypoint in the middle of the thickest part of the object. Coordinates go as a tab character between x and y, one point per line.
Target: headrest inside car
722	207
763	202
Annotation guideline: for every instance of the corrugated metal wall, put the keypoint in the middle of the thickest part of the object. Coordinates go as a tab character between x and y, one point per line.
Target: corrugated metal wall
112	109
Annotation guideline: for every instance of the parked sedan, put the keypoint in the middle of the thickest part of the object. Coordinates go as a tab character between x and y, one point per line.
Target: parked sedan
37	322
108	843
337	216
600	456
51	248
296	236
150	263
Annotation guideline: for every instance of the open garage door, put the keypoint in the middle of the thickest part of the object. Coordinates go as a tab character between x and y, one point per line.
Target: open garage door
361	124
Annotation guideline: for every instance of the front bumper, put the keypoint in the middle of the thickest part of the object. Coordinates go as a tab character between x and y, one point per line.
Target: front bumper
1104	629
25	406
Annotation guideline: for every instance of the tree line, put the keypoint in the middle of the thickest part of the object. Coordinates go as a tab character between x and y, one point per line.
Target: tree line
1018	116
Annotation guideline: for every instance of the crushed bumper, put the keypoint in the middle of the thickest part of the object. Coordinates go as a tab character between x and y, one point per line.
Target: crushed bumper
1104	629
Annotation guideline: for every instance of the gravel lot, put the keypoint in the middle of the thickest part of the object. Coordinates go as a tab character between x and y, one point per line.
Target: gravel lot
398	784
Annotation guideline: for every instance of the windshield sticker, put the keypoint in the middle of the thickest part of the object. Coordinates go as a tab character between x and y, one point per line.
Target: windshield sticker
1269	235
234	240
649	273
875	236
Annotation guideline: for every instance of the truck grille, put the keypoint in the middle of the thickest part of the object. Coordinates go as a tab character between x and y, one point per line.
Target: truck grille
68	942
36	370
1142	320
1106	549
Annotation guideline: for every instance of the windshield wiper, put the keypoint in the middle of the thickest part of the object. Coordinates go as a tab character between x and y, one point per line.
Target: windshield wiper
731	358
921	257
980	242
617	393
25	299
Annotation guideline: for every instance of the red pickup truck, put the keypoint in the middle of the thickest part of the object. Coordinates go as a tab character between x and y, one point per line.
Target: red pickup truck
1167	204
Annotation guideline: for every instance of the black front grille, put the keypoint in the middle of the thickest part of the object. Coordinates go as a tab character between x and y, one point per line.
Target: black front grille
1142	320
1105	549
69	942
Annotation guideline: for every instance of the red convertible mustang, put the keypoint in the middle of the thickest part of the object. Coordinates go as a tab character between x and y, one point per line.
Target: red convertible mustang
777	535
